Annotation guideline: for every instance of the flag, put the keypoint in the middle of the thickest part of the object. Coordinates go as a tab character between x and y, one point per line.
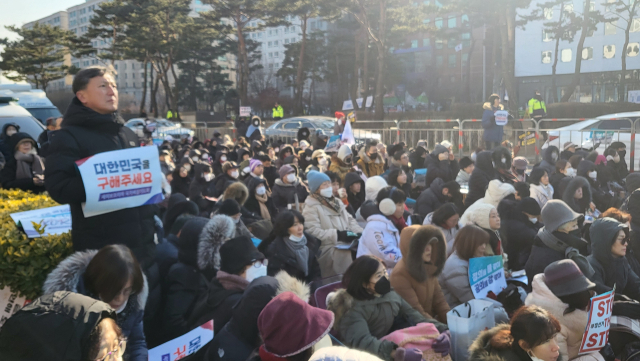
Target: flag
458	47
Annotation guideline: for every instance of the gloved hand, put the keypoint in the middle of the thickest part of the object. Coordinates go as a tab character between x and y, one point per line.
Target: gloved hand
442	344
342	236
407	354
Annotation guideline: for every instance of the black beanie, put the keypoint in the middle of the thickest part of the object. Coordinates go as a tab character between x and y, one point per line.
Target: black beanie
189	239
530	206
465	162
229	207
237	253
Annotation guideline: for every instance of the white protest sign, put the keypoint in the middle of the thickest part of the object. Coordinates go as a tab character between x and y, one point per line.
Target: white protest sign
52	220
183	346
347	135
10	303
486	274
121	179
333	145
245	111
502	116
596	333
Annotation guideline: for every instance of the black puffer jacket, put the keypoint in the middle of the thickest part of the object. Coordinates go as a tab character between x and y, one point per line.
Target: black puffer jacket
555	180
182	184
603	200
200	188
480	177
447	170
281	258
502	159
5	145
252	204
222	182
610	270
85	133
415	157
542	256
518	233
355	200
431	198
549	163
284	194
581	205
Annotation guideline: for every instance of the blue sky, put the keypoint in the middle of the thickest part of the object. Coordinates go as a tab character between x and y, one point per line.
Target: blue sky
20	12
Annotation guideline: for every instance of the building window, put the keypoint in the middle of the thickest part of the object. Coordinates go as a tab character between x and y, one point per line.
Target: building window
452	61
451	23
270	32
609	51
275	55
466	39
276	31
610	28
270	44
313	25
568	8
414	44
133	75
587	53
548	13
270	55
565	55
546	36
633	49
439	43
275	43
259	35
439	60
126	75
546	57
286	30
465	59
286	41
452	43
439	23
426	42
464	19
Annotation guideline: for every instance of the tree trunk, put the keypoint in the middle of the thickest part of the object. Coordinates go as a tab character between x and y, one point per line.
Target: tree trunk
623	74
300	71
365	70
507	34
583	35
558	34
381	60
468	70
353	87
243	62
143	102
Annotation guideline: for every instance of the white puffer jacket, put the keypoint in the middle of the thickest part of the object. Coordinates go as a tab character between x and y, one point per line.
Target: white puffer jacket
381	238
541	193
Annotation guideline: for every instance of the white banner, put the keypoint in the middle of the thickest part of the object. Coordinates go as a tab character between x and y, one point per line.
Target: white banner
502	116
245	111
183	346
44	222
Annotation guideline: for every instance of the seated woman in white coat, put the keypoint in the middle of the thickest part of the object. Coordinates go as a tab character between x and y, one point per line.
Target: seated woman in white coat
541	190
381	236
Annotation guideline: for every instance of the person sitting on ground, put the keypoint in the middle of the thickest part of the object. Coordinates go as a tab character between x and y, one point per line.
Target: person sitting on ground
24	169
62	326
231	208
366	308
551	156
327	219
558	239
440	164
466	168
577	195
495	193
486	217
342	162
182	177
259	200
482	174
370	162
372	186
114	276
319	162
290	249
569	150
531	335
398	178
620	166
381	236
285	151
436	195
288	192
519	227
563	170
523	190
354	186
540	189
609	242
519	169
502	162
446	217
564	292
415	277
202	189
230	174
256	170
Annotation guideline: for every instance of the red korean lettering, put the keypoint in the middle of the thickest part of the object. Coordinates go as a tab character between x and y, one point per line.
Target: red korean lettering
181	354
137	178
125	180
147	177
114	181
102	185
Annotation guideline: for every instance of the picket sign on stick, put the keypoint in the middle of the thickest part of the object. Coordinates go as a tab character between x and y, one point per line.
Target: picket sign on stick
596	334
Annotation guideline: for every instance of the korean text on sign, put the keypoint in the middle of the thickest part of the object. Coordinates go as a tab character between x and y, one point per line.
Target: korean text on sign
183	346
486	274
596	333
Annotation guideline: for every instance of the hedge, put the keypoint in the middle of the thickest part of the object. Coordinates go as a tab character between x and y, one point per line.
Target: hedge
25	262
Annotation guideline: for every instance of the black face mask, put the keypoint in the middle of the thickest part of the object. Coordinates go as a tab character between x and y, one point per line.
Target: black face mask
520	171
576	233
383	286
373	156
622	153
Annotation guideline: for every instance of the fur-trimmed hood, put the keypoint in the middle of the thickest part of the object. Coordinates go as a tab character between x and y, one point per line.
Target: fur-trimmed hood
491	344
68	275
581	205
339	303
498	155
237	191
365	158
496	191
287	283
413	241
487	106
218	230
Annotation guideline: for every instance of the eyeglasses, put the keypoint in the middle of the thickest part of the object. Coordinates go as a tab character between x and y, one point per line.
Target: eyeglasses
117	352
624	241
259	263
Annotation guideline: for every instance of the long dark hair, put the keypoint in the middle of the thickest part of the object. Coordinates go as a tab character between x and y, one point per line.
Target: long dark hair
110	270
281	224
536	174
576	301
358	274
443	213
533	325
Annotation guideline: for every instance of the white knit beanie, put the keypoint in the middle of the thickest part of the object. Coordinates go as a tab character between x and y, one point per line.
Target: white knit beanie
372	186
344	152
480	215
497	191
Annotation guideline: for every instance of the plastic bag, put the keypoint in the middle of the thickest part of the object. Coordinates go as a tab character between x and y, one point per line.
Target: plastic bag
465	323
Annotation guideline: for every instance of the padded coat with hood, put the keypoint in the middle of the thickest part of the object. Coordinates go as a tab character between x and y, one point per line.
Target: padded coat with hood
496	192
431	198
370	167
502	159
68	276
496	345
284	194
542	255
447	170
252	204
492	131
355	200
416	281
381	238
282	258
610	270
324	223
548	162
339	167
454	281
578	205
8	174
482	174
200	188
85	133
603	200
361	323
518	233
572	324
179	184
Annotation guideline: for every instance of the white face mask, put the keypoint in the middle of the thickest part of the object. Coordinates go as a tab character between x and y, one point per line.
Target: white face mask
246	170
322	161
208	177
256	272
327	192
277	150
503	160
554	156
234	174
304	147
533	357
205	157
534	220
195	159
235	220
308	159
291	177
593	175
296	238
11	132
223	158
571	172
261	191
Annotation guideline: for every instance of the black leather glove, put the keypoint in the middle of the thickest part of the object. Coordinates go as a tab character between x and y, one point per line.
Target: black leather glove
342	236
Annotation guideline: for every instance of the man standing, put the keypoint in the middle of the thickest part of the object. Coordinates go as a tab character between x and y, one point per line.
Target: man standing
92	125
536	107
53	124
493	132
278	112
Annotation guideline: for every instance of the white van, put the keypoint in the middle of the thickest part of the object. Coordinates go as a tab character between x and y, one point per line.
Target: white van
33	100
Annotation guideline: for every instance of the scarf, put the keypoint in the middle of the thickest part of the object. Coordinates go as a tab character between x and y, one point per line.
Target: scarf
264	211
332	202
301	252
553	242
28	165
398	222
231	282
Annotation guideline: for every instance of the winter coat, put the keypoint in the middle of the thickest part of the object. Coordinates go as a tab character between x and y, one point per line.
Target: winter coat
454	281
179	184
199	189
281	258
502	160
449	234
381	238
548	163
572	324
324	223
338	167
495	345
447	170
285	194
555	180
54	327
633	249
610	270
85	133
416	282
431	198
240	337
355	200
496	192
542	255
68	276
369	167
541	193
463	177
565	154
252	204
222	182
492	131
8	176
482	174
581	205
603	200
415	157
362	323
517	232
